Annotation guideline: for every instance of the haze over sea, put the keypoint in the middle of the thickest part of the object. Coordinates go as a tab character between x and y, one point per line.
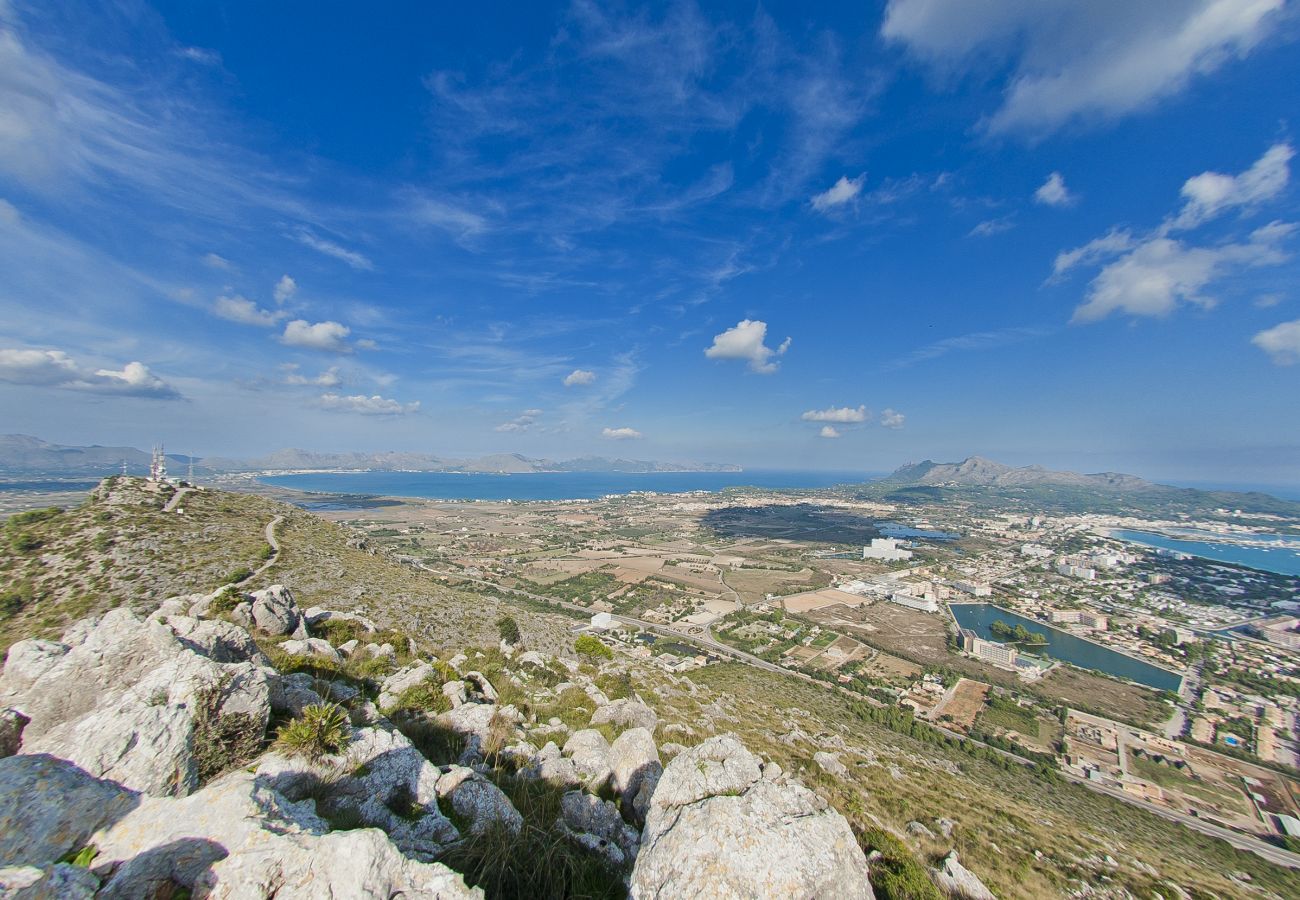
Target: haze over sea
551	485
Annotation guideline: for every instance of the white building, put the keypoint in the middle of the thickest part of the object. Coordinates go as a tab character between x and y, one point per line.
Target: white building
925	603
988	651
975	589
885	549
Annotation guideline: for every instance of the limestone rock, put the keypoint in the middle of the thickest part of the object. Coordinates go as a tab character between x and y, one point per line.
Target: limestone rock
590	754
12	723
479	801
391	688
633	759
626	713
121	700
531	658
291	694
830	764
959	881
49	807
60	881
472	721
714	820
311	647
481	690
455	692
217	640
916	829
274	611
596	825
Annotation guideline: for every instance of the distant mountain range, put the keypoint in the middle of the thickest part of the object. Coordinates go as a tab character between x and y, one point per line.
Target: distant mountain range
992	485
24	455
986	473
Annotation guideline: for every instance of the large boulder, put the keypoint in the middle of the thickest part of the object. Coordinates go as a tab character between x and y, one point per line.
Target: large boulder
626	713
715	820
49	808
311	647
590	754
478	801
391	688
633	759
596	825
218	640
959	881
61	881
122	698
274	611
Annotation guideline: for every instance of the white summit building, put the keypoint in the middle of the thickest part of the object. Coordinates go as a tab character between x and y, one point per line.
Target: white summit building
886	549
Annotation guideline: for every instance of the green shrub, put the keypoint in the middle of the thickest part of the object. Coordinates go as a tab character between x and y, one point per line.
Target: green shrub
224	602
82	858
593	647
222	741
508	628
322	731
897	874
423	697
237	576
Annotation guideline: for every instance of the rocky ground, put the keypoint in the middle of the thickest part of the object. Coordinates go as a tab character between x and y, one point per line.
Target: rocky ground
215	740
138	765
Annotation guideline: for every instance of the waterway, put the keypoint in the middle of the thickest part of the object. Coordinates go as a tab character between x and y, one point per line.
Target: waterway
1064	646
1281	559
551	485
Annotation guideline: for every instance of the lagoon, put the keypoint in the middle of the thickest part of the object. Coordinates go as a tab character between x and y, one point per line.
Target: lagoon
1065	646
1283	559
550	485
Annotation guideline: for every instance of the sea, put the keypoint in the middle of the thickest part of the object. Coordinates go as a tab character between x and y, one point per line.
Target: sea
553	485
1062	645
1282	559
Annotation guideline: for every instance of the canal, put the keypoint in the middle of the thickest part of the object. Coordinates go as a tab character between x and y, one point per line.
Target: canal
1064	646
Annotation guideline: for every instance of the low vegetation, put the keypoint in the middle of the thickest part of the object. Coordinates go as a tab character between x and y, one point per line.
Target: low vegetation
321	731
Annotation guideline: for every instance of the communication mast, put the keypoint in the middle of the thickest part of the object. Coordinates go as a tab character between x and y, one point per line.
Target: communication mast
158	466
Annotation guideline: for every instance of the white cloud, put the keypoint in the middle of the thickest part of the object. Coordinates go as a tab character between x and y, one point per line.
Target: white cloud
1281	342
246	312
892	418
828	431
214	261
56	369
1211	193
990	227
285	288
1160	273
837	414
201	55
329	248
838	194
620	434
367	406
1081	61
367	344
746	341
319	336
329	378
1109	244
579	376
1053	192
523	422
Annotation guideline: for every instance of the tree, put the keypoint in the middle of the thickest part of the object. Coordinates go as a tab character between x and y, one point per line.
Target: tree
508	628
590	645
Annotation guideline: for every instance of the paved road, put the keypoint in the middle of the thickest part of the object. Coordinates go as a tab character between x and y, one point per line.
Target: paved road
176	499
1273	854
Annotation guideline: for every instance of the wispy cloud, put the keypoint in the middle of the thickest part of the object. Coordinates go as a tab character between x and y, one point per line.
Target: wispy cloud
354	259
362	405
246	312
837	414
620	434
1281	342
975	340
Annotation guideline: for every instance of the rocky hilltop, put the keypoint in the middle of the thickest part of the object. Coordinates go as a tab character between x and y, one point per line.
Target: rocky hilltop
976	470
150	757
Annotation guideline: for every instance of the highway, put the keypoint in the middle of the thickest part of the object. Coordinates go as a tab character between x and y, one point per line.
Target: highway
1267	851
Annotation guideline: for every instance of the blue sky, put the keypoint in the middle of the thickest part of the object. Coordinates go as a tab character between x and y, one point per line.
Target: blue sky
785	235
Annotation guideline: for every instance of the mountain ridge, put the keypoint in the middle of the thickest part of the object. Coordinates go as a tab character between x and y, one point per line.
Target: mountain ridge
983	472
25	454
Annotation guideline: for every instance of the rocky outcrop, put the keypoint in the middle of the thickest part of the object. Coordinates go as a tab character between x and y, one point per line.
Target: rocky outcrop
715	820
830	764
49	808
478	801
959	881
634	762
274	611
590	754
311	647
626	713
12	723
121	698
391	688
61	881
596	826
